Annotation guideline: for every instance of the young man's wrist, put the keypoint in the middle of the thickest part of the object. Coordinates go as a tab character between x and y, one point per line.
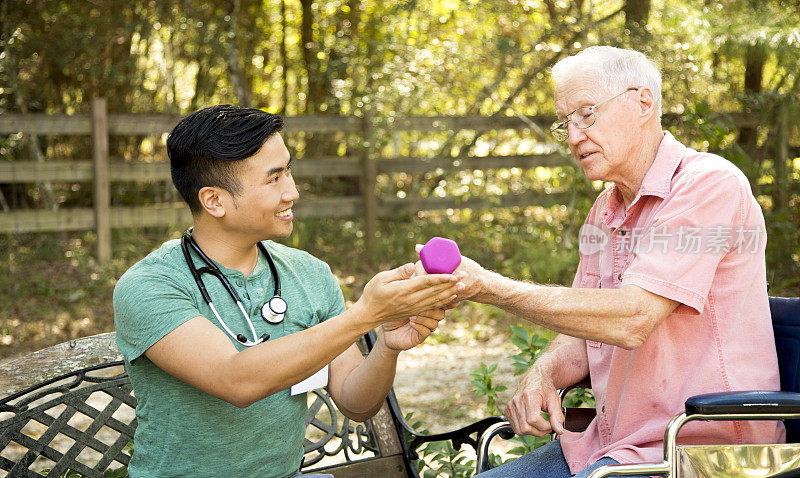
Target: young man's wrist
361	316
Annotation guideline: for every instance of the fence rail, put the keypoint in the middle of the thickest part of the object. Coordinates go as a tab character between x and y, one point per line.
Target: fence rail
22	172
83	219
101	170
144	124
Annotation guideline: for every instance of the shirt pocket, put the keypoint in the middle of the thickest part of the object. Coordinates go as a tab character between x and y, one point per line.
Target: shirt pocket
590	280
298	319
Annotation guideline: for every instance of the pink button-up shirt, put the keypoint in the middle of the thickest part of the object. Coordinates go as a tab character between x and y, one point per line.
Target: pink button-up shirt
694	234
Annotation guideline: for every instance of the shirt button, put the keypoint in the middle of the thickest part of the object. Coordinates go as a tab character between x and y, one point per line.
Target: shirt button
603	409
619	276
622	232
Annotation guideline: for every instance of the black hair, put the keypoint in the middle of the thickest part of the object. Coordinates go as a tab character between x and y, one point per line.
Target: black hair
205	148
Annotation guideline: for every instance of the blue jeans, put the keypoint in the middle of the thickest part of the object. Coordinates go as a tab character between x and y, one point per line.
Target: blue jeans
545	462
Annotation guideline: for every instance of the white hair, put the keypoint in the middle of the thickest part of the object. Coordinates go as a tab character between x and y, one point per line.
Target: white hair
615	70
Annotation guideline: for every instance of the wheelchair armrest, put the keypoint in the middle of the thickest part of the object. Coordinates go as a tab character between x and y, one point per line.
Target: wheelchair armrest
576	420
585	383
749	402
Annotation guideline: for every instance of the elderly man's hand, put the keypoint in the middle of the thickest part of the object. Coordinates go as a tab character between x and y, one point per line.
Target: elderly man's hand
475	281
473	276
534	396
469	272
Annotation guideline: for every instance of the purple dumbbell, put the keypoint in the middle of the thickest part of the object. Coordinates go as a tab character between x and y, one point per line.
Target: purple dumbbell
440	256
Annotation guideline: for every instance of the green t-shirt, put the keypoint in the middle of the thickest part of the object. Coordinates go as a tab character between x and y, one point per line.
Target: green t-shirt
181	430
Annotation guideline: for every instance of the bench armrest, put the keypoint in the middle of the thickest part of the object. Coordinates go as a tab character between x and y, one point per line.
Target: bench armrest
749	402
458	437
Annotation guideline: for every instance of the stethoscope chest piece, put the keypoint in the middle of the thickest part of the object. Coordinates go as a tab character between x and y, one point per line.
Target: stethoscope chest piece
274	310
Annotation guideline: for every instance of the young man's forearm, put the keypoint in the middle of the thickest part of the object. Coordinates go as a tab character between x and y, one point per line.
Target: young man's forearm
294	357
367	385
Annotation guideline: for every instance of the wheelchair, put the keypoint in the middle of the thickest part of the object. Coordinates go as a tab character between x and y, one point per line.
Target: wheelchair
706	461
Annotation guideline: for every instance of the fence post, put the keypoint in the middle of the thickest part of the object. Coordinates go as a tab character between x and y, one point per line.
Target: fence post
102	187
370	172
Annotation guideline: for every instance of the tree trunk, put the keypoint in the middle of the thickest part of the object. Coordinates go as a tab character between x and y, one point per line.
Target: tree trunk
235	70
637	13
755	57
309	57
46	187
284	60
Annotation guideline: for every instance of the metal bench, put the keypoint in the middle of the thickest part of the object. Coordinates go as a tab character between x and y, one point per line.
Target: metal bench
71	407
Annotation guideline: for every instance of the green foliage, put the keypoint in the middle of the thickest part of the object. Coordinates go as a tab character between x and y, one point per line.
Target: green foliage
393	59
482	380
396	59
579	397
530	347
444	460
526	444
439	458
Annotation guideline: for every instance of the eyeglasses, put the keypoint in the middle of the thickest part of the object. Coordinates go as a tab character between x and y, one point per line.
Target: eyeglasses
582	117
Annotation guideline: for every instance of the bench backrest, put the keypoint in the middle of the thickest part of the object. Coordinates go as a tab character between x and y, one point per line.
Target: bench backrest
71	407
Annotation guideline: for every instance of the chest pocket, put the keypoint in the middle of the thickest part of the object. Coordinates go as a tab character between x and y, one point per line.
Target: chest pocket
302	313
591	281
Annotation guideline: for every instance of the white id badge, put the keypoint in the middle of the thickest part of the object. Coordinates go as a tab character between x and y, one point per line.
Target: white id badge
318	380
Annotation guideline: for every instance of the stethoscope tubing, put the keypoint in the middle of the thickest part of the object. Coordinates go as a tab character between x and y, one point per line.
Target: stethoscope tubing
187	242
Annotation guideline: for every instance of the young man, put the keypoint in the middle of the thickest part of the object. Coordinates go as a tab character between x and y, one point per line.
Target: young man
216	378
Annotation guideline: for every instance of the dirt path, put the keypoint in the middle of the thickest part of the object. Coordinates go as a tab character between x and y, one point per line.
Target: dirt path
433	380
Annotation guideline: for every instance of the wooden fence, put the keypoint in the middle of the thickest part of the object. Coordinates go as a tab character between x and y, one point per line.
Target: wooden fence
101	170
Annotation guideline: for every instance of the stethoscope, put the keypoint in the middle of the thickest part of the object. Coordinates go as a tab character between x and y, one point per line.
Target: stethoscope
272	311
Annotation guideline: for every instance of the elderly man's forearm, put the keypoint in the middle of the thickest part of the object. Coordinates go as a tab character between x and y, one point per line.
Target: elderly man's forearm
618	317
564	363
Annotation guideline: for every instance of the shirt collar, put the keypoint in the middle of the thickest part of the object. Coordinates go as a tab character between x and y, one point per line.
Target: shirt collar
261	266
657	181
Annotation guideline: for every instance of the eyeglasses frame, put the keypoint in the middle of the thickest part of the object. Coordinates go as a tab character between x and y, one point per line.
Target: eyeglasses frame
561	125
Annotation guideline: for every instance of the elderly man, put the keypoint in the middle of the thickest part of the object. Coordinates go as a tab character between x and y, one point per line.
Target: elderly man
670	296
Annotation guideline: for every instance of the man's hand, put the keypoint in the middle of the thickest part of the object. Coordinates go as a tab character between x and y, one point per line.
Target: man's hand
395	294
407	333
534	396
475	278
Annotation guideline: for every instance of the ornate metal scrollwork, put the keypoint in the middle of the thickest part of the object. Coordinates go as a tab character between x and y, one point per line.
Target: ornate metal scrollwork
351	441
